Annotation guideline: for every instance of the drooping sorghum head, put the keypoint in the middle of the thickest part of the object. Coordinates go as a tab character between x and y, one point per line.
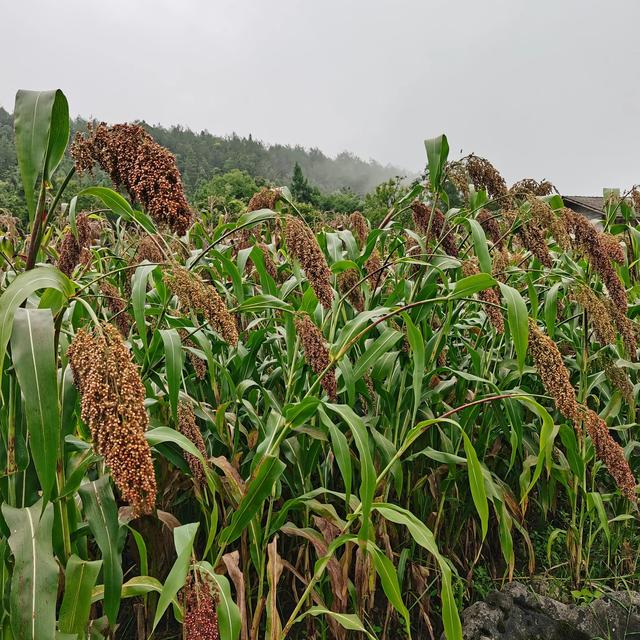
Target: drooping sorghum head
376	272
598	314
316	353
610	453
490	296
71	248
149	248
304	247
533	240
135	161
348	283
199	297
359	227
118	307
200	617
485	176
113	406
188	427
430	221
552	372
266	198
491	227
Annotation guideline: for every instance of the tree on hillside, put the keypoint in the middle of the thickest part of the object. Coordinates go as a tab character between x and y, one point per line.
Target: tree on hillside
301	190
228	191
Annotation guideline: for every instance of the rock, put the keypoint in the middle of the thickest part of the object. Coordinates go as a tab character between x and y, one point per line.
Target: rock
517	613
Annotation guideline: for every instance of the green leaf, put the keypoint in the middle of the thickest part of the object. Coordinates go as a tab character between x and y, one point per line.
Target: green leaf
367	470
480	246
505	523
33	357
416	342
551	308
41	124
227	610
262	303
380	346
547	436
166	434
437	153
352	328
389	579
259	488
34	583
518	322
340	450
80	576
102	516
594	500
184	537
466	287
111	199
59	131
424	537
138	298
349	621
20	289
137	586
476	483
173	357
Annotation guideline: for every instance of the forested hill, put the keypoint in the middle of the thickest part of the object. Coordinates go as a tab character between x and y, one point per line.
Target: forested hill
203	155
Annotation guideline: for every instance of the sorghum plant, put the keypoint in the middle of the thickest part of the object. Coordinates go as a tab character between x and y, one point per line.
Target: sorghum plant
246	429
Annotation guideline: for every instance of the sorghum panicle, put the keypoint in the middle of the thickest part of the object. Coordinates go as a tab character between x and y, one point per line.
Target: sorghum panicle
199	365
316	354
529	185
469	268
305	249
348	283
269	263
617	376
70	251
113	407
533	240
150	248
598	314
552	372
118	307
610	453
374	267
134	160
625	327
359	227
588	240
491	227
613	248
546	218
485	176
264	199
188	427
199	297
430	221
501	260
200	617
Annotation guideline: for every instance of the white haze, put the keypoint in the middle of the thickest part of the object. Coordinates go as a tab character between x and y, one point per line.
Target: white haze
546	89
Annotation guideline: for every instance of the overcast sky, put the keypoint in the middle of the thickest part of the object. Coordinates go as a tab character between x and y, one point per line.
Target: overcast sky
543	88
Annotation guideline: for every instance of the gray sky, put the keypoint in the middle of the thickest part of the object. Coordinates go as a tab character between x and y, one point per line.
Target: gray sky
543	88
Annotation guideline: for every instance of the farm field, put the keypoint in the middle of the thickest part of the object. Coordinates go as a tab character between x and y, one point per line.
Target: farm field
280	412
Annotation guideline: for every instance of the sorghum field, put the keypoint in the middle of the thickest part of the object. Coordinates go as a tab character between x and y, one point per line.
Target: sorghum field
263	425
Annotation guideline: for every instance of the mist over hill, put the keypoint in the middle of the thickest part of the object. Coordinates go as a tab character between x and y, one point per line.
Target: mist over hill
202	155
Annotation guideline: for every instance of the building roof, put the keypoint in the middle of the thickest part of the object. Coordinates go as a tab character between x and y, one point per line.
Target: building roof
593	203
